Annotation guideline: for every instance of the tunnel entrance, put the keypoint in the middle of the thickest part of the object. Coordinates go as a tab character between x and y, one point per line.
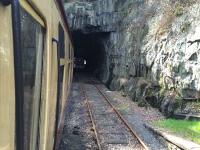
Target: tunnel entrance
90	47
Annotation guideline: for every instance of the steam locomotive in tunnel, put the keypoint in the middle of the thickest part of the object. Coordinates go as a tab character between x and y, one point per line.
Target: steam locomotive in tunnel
36	69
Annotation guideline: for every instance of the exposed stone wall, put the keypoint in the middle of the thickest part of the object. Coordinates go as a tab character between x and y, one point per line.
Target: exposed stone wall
153	48
92	16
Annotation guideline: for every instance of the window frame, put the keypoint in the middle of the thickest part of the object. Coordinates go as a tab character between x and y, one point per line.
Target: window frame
61	64
29	9
19	92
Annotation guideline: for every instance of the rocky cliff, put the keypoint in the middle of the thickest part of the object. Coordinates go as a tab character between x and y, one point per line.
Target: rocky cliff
152	51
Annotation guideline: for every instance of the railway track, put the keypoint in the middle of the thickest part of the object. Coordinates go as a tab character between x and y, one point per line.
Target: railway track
111	130
91	117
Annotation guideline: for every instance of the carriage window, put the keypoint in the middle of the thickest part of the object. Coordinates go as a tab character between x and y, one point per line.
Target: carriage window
61	48
61	42
32	54
61	54
72	54
69	52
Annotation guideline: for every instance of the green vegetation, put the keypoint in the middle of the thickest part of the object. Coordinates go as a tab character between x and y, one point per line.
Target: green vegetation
173	10
185	27
150	92
162	91
179	9
123	107
142	103
178	99
187	3
183	128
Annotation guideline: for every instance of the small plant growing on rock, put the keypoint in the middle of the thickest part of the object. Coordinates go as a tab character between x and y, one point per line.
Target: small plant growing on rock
143	103
179	101
185	27
179	9
187	3
162	92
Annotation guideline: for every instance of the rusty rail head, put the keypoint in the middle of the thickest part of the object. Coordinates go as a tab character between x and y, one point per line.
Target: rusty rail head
91	116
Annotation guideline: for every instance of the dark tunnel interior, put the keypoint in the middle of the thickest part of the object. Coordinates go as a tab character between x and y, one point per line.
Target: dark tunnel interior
89	47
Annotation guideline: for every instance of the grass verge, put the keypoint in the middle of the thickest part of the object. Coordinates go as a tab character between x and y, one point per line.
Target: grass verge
184	128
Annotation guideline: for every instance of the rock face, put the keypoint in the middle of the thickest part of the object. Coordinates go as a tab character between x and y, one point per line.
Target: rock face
156	41
92	16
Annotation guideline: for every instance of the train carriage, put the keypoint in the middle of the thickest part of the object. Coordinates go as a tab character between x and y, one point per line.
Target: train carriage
36	67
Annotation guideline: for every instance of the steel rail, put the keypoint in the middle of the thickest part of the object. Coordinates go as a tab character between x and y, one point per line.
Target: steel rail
122	119
91	116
